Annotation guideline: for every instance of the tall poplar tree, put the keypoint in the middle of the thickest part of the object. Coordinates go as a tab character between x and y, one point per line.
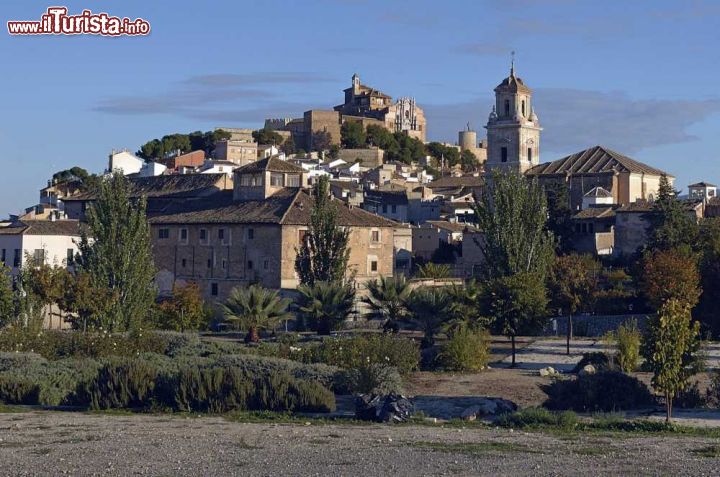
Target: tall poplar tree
115	250
324	253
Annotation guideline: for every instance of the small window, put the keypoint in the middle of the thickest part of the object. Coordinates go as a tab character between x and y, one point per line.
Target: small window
184	235
184	263
375	235
70	257
3	256
529	154
39	256
374	266
210	262
384	208
221	235
203	236
301	236
293	180
266	264
250	264
164	233
522	105
507	107
251	234
17	257
224	264
503	154
214	289
393	209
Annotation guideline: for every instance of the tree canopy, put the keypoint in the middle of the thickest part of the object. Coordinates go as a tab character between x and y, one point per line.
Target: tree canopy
267	136
158	149
672	225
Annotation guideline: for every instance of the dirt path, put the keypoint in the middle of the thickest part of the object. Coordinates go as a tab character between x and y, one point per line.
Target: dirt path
46	443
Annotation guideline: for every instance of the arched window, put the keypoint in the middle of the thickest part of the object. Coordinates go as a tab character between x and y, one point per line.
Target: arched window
507	107
523	107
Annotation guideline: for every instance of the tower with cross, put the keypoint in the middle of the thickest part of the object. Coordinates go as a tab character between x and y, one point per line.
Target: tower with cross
513	128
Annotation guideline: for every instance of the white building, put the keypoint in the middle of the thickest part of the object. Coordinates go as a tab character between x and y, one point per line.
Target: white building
597	197
52	242
218	167
124	161
703	191
152	169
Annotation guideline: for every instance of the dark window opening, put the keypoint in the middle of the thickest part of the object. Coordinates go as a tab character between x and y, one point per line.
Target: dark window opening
373	266
529	154
251	234
184	263
507	107
503	154
163	233
214	289
250	265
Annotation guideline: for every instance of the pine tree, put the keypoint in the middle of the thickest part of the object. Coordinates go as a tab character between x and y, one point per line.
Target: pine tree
7	306
671	224
115	251
323	256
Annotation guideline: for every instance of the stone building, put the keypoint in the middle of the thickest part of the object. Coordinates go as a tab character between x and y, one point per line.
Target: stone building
251	235
239	152
626	179
513	128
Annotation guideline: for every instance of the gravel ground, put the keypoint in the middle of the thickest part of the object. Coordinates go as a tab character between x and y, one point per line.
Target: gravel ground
51	443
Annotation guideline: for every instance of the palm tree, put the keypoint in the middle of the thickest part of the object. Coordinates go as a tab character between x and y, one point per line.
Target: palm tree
429	308
433	270
387	299
255	308
464	310
325	305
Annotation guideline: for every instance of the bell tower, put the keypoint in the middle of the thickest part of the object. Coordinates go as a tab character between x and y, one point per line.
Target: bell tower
513	128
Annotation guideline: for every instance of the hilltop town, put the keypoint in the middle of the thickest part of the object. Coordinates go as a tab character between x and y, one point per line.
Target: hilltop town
228	208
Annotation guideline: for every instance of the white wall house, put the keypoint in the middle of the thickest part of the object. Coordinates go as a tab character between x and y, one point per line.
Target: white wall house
53	242
125	162
218	167
152	169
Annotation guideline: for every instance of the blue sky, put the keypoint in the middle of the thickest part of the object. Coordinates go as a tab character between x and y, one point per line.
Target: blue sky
639	77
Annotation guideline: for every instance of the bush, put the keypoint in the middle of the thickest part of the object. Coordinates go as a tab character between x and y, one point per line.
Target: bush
537	416
690	397
374	378
627	341
121	384
712	394
363	350
18	390
225	389
466	350
603	391
597	359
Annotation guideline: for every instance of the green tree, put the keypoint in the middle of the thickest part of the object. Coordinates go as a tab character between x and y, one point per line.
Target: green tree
86	299
573	281
7	306
288	147
671	224
254	309
324	253
267	136
381	137
428	308
560	214
441	152
668	274
352	135
47	283
334	152
409	150
115	251
433	271
325	305
387	298
185	310
671	336
708	309
516	303
321	141
512	213
465	309
469	161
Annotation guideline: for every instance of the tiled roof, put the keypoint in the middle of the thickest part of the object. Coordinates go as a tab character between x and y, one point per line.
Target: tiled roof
389	197
595	213
702	184
43	227
452	226
638	206
287	207
463	181
595	160
169	186
272	164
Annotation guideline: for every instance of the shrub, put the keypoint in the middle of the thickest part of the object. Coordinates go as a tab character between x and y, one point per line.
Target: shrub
627	341
120	384
690	397
363	350
466	350
18	390
597	359
537	416
603	391
373	378
712	394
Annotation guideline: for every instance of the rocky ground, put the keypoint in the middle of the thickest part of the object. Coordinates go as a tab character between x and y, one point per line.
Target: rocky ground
52	443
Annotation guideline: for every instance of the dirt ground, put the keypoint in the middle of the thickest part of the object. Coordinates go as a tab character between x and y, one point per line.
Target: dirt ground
52	443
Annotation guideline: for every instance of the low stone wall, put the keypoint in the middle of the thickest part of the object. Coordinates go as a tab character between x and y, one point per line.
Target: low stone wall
592	325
